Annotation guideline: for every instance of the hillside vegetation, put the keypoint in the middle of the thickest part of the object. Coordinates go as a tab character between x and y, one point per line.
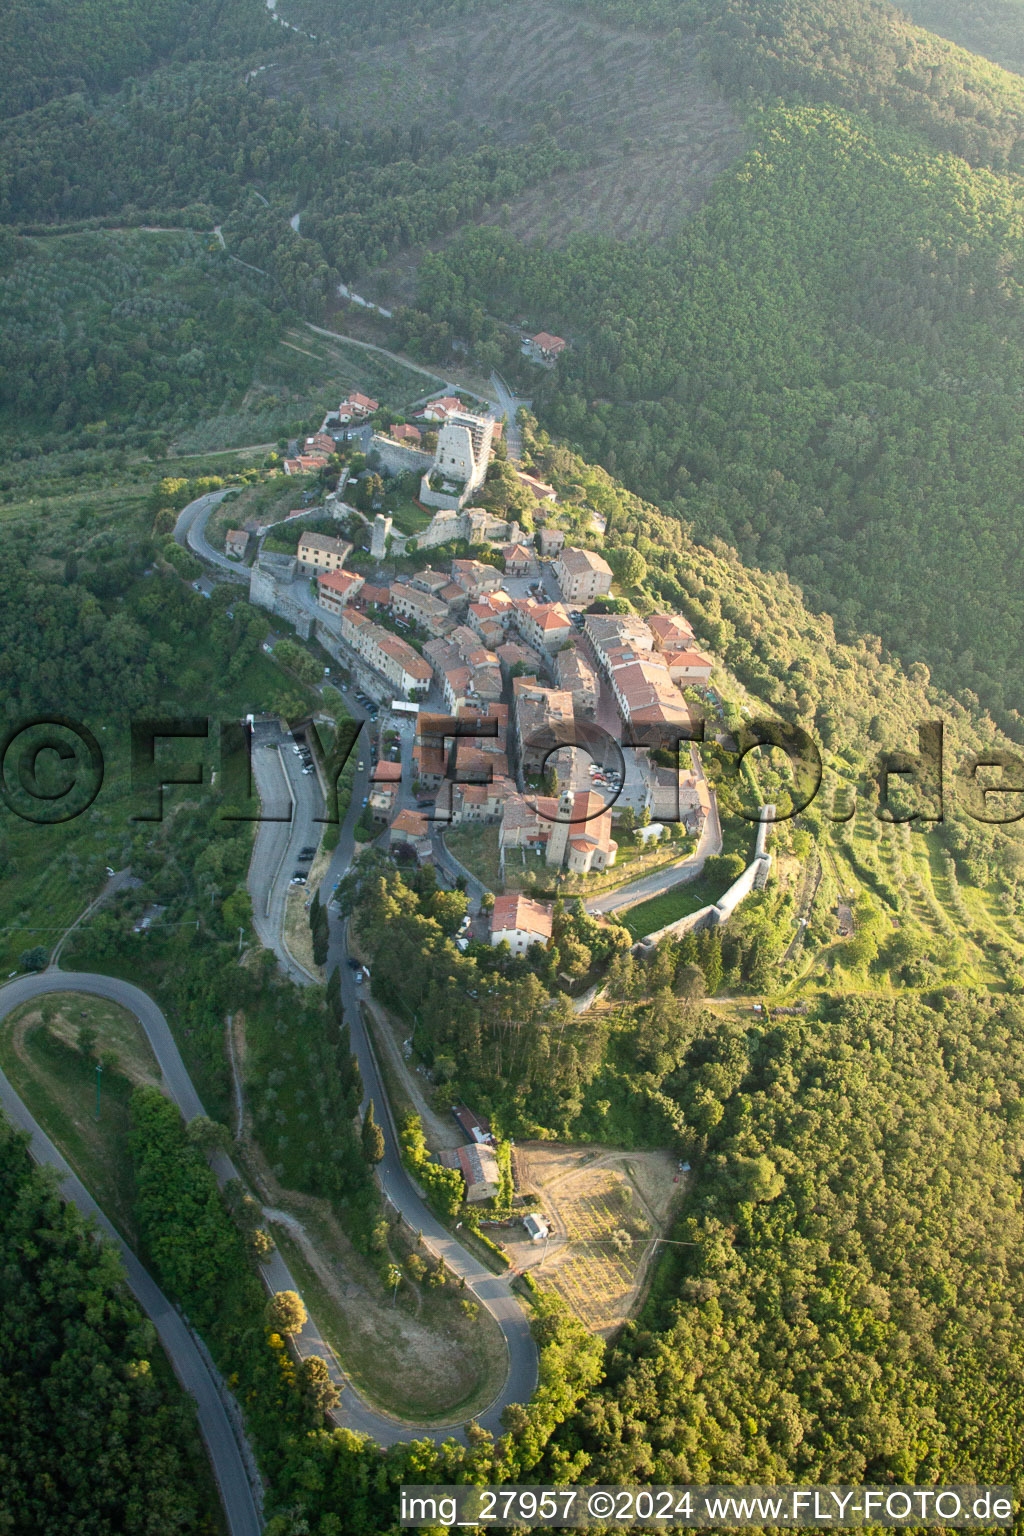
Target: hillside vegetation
826	368
47	51
993	28
812	372
95	1433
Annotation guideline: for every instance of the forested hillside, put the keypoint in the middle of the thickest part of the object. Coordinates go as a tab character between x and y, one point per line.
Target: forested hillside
993	28
859	54
796	327
139	331
820	364
851	1308
95	1435
825	368
92	45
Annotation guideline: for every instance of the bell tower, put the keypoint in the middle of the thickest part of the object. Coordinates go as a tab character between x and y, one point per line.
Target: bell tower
559	839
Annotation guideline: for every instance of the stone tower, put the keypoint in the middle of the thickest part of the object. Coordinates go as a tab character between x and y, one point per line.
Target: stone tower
379	535
558	841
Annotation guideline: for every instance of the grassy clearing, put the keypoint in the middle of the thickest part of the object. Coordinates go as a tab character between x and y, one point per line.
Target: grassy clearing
667	908
58	1083
606	1207
422	1358
409	516
117	1030
477	848
633	862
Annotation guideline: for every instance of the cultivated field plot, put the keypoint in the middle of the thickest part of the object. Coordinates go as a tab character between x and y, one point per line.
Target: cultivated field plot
654	132
300	377
606	1209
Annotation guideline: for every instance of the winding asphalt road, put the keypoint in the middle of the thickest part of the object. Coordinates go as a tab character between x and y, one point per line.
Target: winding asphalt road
509	404
274	857
193	1369
709	845
492	1291
190	531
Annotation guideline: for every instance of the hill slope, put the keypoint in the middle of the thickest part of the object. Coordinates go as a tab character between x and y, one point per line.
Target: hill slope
826	368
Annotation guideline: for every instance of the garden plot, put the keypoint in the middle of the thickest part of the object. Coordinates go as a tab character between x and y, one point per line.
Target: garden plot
606	1210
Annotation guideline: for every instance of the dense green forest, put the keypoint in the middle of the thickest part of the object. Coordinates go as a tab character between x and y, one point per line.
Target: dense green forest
143	330
48	51
989	27
819	372
849	1310
858	54
95	1434
823	369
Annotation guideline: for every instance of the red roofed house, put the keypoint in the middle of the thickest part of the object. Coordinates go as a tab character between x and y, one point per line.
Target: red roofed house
411	827
479	1167
471	1125
357	407
687	666
544	348
646	694
519	922
441	409
538	489
305	464
671	631
518	559
403	433
545	625
371	595
336	588
486	623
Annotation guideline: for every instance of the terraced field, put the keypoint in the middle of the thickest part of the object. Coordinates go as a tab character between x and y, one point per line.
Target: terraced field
658	133
297	379
606	1208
